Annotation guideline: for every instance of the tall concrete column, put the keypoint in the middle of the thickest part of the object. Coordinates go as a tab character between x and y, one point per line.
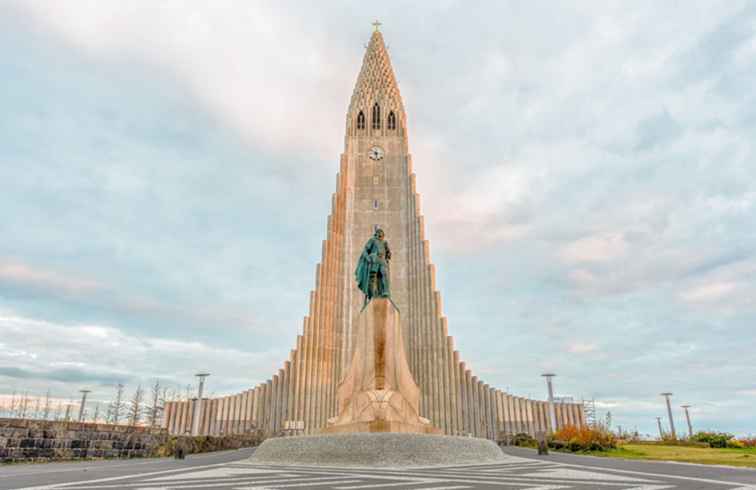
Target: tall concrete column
198	406
83	404
669	413
552	413
661	431
687	419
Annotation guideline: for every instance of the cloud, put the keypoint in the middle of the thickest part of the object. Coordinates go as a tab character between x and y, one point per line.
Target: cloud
708	292
99	356
602	248
22	275
586	174
581	347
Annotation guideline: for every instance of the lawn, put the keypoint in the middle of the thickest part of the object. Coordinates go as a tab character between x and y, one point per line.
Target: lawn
732	457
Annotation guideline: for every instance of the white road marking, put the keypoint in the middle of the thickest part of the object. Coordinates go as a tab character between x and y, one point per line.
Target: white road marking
114	478
456	487
216	473
653	487
396	484
570	474
660	475
293	485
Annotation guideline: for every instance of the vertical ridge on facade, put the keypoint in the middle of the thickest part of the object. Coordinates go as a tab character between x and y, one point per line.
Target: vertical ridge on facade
372	191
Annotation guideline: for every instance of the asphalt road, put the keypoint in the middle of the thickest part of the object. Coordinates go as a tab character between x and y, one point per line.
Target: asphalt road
522	469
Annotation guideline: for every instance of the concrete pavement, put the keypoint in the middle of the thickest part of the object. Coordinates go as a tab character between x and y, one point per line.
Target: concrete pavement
523	469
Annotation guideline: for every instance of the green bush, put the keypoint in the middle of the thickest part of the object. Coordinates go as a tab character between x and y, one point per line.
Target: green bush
713	439
207	444
524	440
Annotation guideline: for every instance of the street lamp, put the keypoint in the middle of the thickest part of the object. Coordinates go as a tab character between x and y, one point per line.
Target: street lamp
552	412
669	412
198	406
687	418
83	403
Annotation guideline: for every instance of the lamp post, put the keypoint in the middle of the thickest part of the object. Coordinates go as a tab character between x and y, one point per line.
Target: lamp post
666	396
552	412
661	431
198	406
687	418
83	403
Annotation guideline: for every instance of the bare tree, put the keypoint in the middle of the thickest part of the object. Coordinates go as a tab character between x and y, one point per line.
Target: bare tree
117	406
96	413
46	410
36	407
24	405
13	407
158	403
135	406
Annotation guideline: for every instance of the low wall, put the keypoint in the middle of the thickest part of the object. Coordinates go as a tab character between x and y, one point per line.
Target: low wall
33	440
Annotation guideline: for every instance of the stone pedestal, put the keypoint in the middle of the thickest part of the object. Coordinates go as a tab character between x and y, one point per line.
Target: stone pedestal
379	394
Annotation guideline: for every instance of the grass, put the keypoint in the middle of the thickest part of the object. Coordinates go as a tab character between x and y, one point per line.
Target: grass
701	455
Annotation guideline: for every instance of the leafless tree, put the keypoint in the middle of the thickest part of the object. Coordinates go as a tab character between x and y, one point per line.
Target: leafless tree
24	405
117	406
158	403
36	407
96	413
13	407
135	406
46	410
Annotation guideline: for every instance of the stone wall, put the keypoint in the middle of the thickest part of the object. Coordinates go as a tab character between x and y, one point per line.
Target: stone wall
32	440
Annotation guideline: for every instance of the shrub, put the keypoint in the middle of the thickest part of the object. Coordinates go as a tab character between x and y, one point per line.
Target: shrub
713	439
524	440
735	444
206	444
578	439
749	441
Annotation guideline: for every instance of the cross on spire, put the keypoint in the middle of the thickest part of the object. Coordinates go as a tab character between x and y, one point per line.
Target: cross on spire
377	24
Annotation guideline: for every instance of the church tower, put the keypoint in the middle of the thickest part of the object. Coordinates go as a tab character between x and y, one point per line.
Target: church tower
375	188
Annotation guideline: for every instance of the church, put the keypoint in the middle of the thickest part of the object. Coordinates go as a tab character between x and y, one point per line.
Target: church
375	189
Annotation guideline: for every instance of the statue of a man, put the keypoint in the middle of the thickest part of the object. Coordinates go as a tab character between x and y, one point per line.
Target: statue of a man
372	272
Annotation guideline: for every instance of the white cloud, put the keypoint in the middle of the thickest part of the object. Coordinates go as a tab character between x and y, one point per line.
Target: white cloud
38	355
25	275
577	347
599	248
239	58
600	149
708	292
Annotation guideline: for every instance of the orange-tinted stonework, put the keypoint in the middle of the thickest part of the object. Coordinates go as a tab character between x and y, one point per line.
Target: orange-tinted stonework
375	188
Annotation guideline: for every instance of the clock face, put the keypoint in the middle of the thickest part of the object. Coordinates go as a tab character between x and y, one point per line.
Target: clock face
376	153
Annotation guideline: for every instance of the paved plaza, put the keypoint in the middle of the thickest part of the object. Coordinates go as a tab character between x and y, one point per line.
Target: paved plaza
521	470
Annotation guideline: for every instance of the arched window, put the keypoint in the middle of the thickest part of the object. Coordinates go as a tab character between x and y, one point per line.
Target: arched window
391	120
361	120
376	116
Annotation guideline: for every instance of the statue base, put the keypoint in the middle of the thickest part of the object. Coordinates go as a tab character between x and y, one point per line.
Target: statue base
379	393
378	450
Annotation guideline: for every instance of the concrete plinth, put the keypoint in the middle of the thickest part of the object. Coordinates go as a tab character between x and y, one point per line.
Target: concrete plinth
379	394
386	450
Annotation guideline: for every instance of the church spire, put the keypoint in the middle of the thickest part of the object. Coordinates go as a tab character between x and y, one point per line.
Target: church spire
376	85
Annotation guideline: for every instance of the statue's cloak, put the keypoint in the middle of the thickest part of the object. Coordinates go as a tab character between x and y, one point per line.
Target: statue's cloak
371	262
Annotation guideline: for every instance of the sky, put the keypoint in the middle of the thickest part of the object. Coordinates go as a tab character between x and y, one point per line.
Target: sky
587	170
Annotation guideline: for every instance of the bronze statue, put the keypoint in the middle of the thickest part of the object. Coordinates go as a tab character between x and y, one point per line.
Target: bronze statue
372	272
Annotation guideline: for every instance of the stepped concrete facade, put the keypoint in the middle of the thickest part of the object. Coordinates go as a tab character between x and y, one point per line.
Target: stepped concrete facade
375	189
